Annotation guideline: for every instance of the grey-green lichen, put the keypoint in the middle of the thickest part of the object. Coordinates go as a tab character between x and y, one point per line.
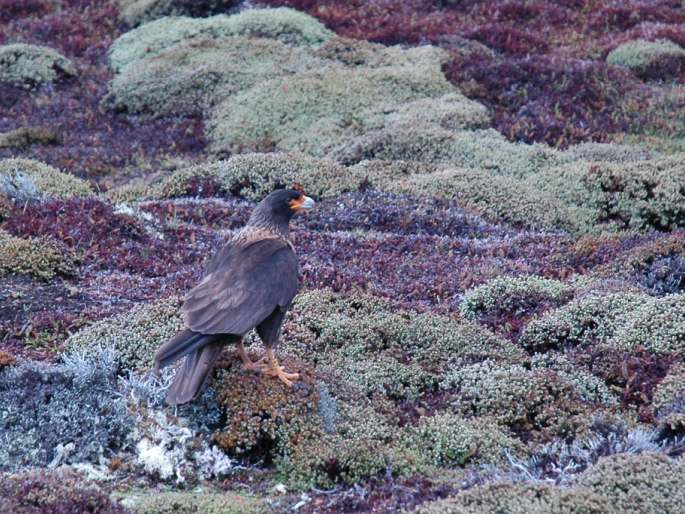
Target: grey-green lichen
41	257
639	55
283	24
648	483
26	179
32	65
520	498
134	335
513	295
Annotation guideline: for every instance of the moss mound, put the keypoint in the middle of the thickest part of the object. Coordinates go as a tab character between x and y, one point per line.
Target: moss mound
196	73
497	198
525	400
520	498
329	324
251	176
608	152
658	326
26	179
205	502
32	65
513	295
582	322
135	12
649	482
484	149
449	440
315	111
134	335
41	257
645	195
285	25
649	59
53	491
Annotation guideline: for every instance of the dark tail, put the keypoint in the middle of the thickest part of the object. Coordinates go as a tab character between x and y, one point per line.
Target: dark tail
183	343
202	351
192	375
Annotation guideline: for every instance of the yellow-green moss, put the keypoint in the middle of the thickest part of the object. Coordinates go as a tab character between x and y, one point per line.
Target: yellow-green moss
520	498
196	73
32	65
513	295
648	483
135	335
314	111
41	257
286	25
640	54
189	502
449	440
24	179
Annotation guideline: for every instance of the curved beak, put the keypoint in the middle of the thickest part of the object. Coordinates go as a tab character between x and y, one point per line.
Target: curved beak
308	203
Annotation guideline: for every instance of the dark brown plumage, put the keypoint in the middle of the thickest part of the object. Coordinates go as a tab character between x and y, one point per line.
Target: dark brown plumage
249	284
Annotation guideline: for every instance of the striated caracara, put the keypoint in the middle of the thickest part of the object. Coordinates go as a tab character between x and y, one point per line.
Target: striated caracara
250	283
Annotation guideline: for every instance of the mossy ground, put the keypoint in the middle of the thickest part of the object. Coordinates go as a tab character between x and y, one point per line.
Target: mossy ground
478	316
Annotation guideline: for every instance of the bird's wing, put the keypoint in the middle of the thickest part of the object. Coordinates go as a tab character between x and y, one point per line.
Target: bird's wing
243	285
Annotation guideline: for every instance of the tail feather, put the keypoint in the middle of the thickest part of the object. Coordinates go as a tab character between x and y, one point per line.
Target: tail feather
192	375
183	343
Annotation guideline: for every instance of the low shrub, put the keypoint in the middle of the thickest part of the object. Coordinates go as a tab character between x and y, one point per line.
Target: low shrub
32	65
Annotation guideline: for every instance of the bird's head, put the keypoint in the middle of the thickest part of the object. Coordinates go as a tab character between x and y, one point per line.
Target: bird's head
277	208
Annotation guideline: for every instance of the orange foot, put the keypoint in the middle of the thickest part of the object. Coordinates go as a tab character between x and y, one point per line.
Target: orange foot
247	362
273	369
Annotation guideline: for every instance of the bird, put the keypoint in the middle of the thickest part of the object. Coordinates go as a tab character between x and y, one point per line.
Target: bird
249	284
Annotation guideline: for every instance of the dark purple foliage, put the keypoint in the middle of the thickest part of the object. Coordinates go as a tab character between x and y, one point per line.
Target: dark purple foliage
111	240
559	101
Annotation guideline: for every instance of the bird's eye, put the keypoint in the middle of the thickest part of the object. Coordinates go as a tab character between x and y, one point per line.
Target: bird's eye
297	203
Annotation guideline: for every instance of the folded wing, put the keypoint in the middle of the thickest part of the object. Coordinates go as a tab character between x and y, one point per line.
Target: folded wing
243	285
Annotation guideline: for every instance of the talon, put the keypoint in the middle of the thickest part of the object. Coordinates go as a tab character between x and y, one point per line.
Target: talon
274	370
247	362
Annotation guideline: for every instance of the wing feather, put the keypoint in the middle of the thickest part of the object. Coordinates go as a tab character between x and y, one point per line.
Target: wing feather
243	285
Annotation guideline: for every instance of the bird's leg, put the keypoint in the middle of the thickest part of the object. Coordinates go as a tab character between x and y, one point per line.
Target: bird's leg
273	369
247	363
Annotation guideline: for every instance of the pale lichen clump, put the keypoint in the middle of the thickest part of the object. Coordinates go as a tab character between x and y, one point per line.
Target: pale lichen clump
251	176
449	440
201	502
316	111
135	12
523	399
513	295
641	55
32	65
196	73
134	335
26	179
657	325
41	257
283	24
521	498
497	198
647	482
582	322
638	196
